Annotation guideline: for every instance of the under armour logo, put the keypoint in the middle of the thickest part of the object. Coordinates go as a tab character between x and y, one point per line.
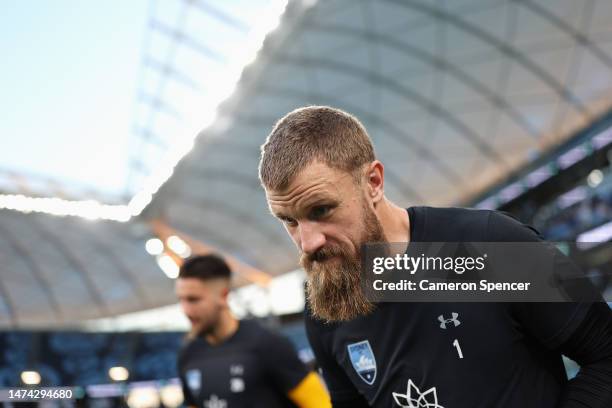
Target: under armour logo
444	322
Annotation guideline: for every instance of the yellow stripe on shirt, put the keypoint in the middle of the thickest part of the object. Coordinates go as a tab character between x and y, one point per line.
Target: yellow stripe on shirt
310	393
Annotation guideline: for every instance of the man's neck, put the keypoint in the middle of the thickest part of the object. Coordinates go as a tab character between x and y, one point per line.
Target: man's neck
228	325
394	220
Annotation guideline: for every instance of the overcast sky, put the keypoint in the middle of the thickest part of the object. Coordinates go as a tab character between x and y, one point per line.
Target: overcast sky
69	78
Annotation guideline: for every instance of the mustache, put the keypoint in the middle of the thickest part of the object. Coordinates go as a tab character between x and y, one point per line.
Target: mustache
322	255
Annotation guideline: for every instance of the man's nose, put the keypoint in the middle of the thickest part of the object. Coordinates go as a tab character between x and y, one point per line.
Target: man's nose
311	238
185	307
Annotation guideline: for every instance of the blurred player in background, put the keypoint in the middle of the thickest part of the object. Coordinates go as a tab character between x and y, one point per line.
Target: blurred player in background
228	363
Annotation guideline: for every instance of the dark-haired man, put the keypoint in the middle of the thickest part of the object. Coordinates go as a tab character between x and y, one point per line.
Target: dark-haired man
323	181
232	364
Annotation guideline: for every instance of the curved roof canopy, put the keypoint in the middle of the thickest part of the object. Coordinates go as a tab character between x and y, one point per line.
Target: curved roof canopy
58	271
455	95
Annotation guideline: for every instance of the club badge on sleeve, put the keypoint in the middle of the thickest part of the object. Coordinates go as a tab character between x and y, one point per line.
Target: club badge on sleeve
194	380
363	361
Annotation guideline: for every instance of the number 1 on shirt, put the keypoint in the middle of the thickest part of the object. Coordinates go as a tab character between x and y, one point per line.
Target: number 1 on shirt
458	347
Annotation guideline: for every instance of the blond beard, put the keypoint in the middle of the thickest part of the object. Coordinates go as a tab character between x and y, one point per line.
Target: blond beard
334	292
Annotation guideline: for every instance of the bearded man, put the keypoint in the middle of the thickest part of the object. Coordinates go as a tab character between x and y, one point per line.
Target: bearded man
323	181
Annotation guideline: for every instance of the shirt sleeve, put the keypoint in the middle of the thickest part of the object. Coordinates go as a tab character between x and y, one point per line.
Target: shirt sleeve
188	398
550	323
343	393
579	330
591	347
281	362
503	227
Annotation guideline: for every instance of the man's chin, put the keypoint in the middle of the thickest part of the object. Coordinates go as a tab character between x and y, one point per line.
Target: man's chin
341	314
326	267
330	308
200	329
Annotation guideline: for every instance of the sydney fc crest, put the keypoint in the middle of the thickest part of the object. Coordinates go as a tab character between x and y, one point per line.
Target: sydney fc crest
363	361
194	380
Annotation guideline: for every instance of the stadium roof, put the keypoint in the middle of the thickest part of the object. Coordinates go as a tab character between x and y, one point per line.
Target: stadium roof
455	95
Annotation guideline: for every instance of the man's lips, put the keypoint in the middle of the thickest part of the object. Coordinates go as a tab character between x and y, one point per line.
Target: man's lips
331	258
315	265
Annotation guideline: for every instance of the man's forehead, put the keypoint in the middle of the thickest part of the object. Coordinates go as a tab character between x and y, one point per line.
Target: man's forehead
297	191
190	283
305	192
315	183
284	204
196	285
314	175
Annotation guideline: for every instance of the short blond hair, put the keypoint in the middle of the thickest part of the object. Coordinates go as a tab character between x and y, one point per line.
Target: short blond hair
330	135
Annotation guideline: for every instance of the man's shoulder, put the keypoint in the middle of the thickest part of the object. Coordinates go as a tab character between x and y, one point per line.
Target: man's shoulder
252	327
249	336
189	343
266	342
454	212
258	334
450	224
188	348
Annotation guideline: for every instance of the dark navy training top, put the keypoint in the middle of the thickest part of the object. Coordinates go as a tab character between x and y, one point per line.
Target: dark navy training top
451	355
254	368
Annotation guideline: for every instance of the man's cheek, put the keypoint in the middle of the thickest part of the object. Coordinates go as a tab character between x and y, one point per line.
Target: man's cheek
294	236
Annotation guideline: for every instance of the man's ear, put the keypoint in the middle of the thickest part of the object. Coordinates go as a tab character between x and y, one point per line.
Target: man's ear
225	291
375	181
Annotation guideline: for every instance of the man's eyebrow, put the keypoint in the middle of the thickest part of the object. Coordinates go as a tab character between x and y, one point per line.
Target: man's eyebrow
307	204
306	208
320	200
280	216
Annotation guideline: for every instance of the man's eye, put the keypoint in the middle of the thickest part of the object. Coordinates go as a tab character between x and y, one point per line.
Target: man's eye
319	212
289	222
